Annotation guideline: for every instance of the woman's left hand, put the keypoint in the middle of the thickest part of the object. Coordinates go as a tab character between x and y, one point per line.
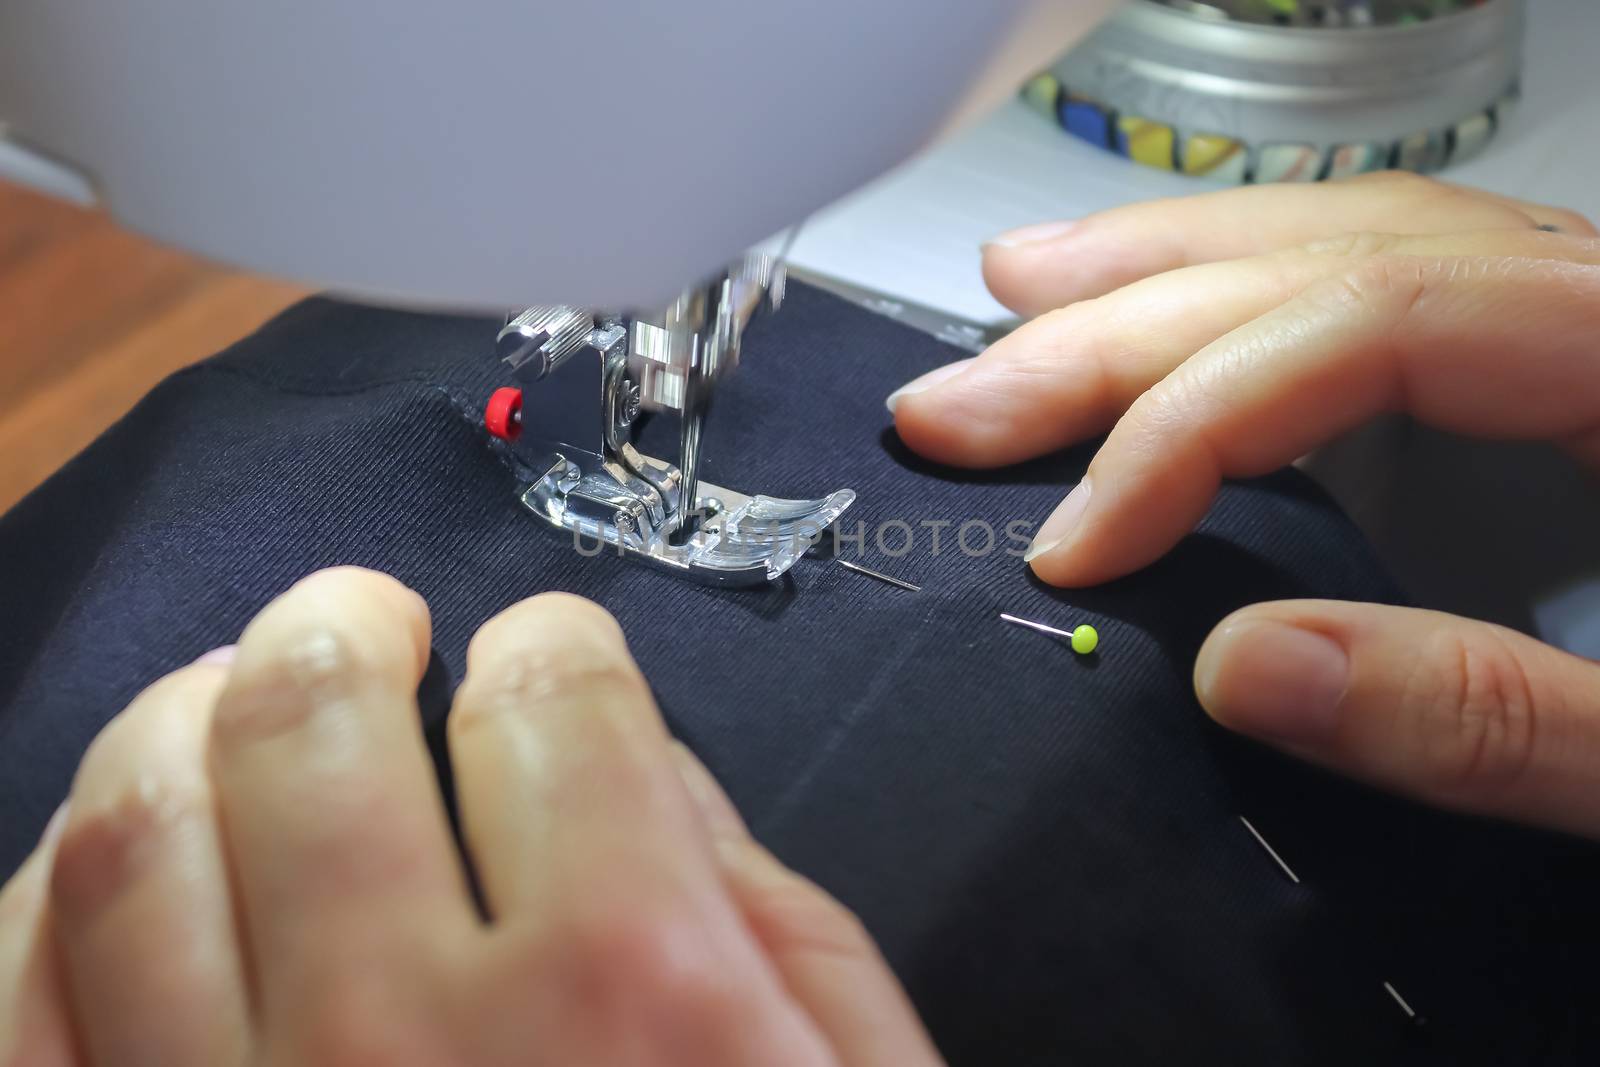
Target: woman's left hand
1227	334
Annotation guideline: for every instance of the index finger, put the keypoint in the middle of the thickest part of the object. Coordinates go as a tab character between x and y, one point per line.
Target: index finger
335	829
613	930
1040	268
1426	336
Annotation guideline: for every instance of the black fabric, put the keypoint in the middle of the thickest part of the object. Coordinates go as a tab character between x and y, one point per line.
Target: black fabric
1046	846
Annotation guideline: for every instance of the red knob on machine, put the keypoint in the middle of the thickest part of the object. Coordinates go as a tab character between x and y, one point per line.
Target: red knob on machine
503	415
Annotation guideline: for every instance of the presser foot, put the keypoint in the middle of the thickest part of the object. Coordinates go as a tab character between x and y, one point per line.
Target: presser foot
736	540
589	382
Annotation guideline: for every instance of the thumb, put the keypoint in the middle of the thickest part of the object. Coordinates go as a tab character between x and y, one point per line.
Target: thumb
1454	712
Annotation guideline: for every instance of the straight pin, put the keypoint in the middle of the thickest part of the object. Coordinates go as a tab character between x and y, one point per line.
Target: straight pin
1083	640
859	569
1041	627
1398	999
1279	860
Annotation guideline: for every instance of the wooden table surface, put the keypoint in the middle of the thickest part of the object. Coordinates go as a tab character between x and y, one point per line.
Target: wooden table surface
91	317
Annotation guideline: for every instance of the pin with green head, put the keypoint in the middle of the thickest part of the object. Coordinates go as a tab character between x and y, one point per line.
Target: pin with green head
1085	639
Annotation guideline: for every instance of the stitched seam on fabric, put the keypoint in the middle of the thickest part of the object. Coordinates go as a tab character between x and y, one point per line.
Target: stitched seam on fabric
294	389
463	408
887	674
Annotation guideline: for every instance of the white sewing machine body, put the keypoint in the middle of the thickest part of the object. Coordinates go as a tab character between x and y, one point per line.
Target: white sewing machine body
487	153
615	155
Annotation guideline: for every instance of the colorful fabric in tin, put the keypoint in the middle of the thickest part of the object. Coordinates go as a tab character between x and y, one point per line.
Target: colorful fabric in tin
1423	152
1145	141
1215	156
1348	160
1289	163
1470	136
1042	94
1086	119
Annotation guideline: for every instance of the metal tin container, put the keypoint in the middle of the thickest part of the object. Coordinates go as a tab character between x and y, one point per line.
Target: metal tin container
1187	88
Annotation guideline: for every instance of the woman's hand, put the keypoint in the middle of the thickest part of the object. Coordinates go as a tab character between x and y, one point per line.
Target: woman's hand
255	868
1227	334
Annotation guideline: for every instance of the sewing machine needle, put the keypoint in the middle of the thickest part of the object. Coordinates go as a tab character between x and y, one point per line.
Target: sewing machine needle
881	577
694	414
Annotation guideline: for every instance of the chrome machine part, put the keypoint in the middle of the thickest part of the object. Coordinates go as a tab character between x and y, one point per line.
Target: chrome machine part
678	355
540	339
595	485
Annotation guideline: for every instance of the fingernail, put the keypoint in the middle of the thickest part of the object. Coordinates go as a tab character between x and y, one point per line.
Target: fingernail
53	828
721	817
1029	235
927	381
1273	680
1058	527
222	657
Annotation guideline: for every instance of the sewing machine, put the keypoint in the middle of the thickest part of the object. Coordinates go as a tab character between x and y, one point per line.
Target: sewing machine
475	154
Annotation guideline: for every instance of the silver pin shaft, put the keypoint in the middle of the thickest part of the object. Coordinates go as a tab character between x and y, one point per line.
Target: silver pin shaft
1271	852
1041	627
1398	999
859	569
